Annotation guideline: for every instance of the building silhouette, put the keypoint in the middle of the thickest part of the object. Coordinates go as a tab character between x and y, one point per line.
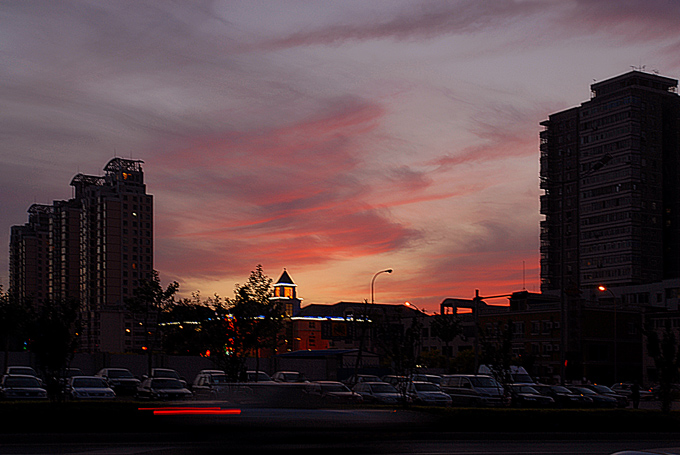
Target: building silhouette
94	248
610	171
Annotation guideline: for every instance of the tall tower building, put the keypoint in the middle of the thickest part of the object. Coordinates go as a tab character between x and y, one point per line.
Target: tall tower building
610	171
29	256
95	248
115	251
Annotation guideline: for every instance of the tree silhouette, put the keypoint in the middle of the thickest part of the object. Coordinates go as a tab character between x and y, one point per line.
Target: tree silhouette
446	327
259	318
242	325
53	335
667	360
14	314
497	352
151	300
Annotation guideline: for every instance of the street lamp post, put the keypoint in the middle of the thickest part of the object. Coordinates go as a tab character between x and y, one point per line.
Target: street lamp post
418	341
603	288
373	283
365	321
476	301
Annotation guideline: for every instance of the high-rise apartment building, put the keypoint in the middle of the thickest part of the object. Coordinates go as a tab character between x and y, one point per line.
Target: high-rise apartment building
29	255
610	171
94	247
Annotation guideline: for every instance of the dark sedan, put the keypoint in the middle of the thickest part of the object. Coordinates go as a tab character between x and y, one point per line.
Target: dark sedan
564	398
21	387
621	400
599	401
525	396
332	392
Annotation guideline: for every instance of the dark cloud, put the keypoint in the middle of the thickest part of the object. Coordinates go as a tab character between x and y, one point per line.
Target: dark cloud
644	21
419	20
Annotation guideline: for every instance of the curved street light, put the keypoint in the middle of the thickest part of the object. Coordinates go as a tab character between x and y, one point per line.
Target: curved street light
365	320
373	283
409	304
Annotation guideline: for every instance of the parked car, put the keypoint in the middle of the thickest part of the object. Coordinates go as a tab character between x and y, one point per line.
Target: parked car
625	388
564	398
525	396
621	400
89	388
24	370
655	390
162	389
21	387
258	376
473	390
398	382
332	392
377	392
599	401
121	380
210	384
67	373
516	373
436	379
19	369
289	376
166	373
427	393
352	380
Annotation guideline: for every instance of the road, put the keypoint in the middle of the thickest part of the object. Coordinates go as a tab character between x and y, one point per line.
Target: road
325	432
130	444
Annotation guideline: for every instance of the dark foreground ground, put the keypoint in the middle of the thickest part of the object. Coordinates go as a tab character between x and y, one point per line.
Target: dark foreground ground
207	428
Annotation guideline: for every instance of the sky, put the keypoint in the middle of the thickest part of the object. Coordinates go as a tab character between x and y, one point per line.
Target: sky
334	139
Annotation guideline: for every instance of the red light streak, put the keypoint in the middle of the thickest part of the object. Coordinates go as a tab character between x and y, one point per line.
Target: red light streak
165	412
192	411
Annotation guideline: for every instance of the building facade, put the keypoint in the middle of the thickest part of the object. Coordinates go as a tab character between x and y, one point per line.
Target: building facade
611	180
94	248
29	255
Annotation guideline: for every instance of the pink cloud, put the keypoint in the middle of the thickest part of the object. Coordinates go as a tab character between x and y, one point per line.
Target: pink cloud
292	195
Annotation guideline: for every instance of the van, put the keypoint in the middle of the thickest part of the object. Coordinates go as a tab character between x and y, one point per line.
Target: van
517	374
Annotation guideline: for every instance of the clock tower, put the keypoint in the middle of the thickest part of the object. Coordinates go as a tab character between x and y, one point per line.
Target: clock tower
286	290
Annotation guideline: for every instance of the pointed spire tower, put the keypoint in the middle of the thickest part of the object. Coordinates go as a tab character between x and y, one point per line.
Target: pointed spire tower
285	289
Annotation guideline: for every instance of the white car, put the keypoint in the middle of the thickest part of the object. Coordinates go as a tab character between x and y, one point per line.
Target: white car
89	388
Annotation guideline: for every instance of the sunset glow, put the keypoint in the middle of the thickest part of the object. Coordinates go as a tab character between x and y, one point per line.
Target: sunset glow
333	139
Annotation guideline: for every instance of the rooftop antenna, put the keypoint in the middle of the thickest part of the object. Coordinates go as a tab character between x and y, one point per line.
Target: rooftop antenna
524	288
